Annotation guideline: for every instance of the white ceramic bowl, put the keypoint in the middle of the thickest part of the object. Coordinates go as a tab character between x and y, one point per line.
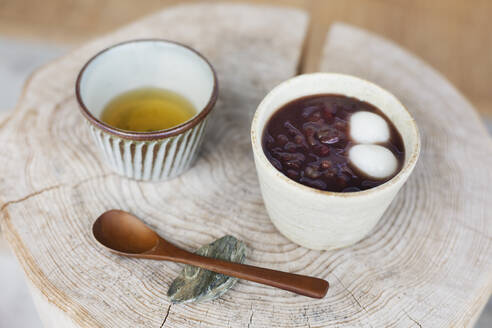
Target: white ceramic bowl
157	155
321	219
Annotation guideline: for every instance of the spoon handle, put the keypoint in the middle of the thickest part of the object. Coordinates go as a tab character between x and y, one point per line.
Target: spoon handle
299	284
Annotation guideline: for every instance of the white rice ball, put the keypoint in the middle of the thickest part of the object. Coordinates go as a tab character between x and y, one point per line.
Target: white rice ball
374	160
367	127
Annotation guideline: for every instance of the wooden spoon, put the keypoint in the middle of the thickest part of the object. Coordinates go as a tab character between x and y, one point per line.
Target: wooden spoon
124	234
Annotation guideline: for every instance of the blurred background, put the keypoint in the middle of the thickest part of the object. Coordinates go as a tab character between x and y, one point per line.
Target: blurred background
454	36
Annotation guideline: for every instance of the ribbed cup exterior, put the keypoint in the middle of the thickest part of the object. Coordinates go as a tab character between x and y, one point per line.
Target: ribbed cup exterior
154	160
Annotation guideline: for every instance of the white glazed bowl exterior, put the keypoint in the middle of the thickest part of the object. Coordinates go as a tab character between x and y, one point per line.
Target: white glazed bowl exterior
318	219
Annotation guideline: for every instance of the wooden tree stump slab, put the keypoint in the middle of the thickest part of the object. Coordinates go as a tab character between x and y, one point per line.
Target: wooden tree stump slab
427	263
431	255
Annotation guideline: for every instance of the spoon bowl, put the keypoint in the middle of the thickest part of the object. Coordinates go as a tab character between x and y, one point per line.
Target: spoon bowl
125	234
122	232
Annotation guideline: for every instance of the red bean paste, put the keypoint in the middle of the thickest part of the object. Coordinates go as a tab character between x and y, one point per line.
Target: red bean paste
308	140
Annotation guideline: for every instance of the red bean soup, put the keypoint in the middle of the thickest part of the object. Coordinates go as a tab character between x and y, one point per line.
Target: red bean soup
308	140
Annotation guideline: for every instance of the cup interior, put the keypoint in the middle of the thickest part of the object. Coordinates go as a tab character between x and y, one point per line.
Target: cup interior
145	63
331	83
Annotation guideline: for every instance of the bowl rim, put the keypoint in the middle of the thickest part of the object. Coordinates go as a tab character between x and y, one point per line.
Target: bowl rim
159	134
401	176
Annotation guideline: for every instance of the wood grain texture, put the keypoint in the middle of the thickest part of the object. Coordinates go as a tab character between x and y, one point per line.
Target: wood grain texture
428	262
52	198
436	236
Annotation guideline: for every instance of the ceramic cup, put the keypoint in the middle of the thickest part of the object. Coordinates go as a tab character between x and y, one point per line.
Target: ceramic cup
157	155
326	220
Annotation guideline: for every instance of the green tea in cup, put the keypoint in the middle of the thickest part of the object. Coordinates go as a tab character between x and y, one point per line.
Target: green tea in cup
147	109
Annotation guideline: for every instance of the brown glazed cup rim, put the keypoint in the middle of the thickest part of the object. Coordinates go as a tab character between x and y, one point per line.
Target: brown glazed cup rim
147	136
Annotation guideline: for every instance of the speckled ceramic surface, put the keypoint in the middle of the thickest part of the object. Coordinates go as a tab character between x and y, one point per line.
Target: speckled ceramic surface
321	219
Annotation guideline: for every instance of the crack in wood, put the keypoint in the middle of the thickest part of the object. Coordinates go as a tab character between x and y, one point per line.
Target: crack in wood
415	321
167	315
251	316
33	194
43	190
353	296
